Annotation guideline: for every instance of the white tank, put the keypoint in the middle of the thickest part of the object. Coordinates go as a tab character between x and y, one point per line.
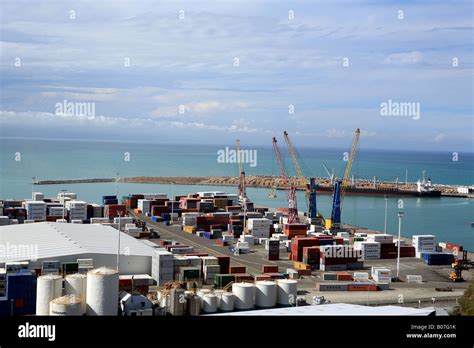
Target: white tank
218	293
76	284
244	295
226	303
265	294
66	305
202	292
48	287
102	291
286	292
209	303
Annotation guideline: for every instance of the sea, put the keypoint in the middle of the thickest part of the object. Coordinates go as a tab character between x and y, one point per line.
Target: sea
448	218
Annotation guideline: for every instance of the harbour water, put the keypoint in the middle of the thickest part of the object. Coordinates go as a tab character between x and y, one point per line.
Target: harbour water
449	218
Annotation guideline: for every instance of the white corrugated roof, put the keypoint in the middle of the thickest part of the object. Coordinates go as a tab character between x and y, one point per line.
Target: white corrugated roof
336	309
60	239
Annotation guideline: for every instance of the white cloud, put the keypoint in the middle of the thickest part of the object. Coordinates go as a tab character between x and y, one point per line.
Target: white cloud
413	57
439	137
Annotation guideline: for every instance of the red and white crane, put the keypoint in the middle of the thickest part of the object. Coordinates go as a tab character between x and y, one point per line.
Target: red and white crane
291	187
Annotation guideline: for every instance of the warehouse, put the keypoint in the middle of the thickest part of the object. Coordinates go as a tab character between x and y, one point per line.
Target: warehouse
339	309
68	242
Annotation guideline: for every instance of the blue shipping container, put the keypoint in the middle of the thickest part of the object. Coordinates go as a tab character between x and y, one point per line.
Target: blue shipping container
208	235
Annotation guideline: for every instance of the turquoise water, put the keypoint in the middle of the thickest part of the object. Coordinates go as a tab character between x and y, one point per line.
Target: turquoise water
448	218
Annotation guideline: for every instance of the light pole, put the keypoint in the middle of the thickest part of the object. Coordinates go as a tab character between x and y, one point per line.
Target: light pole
172	203
33	186
119	213
400	216
64	202
386	206
116	184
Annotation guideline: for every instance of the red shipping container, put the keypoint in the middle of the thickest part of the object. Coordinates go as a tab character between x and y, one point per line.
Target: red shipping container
343	276
224	262
238	269
362	287
454	247
243	277
269	269
112	210
304	272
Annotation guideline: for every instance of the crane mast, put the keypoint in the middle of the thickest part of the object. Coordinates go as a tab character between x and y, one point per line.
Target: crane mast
242	191
291	189
340	186
309	187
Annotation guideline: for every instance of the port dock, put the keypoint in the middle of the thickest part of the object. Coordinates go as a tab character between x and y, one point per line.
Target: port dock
361	187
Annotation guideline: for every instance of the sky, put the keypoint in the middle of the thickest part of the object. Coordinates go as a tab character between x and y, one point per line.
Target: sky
209	72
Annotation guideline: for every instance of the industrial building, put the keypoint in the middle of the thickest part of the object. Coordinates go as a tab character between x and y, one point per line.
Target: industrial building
63	242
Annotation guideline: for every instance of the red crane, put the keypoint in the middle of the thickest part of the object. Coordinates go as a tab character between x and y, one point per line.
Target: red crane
291	188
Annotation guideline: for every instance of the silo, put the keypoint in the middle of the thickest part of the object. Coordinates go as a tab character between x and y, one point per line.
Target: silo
286	292
48	287
76	284
194	305
67	305
226	304
209	303
102	291
265	294
244	295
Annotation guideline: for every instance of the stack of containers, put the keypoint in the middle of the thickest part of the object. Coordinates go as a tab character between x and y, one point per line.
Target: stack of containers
424	244
369	250
144	205
36	210
210	266
21	288
77	210
37	196
381	275
259	228
295	229
388	250
97	210
272	249
162	266
55	211
190	219
311	256
109	200
112	210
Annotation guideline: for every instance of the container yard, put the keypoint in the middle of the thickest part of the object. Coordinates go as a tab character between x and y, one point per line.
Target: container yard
209	253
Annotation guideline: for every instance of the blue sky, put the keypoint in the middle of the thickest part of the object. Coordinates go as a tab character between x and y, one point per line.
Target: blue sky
282	61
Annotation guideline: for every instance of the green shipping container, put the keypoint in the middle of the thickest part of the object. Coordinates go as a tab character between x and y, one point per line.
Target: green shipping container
70	267
329	276
189	273
221	280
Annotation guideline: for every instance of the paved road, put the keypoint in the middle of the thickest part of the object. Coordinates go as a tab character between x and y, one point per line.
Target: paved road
253	260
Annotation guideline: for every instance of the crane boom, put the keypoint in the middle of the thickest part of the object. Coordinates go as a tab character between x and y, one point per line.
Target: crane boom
308	185
291	189
345	181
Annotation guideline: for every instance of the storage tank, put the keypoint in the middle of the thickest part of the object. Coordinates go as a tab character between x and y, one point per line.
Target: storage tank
244	295
194	305
76	284
286	292
265	294
202	292
67	305
48	287
226	303
218	293
209	303
102	291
